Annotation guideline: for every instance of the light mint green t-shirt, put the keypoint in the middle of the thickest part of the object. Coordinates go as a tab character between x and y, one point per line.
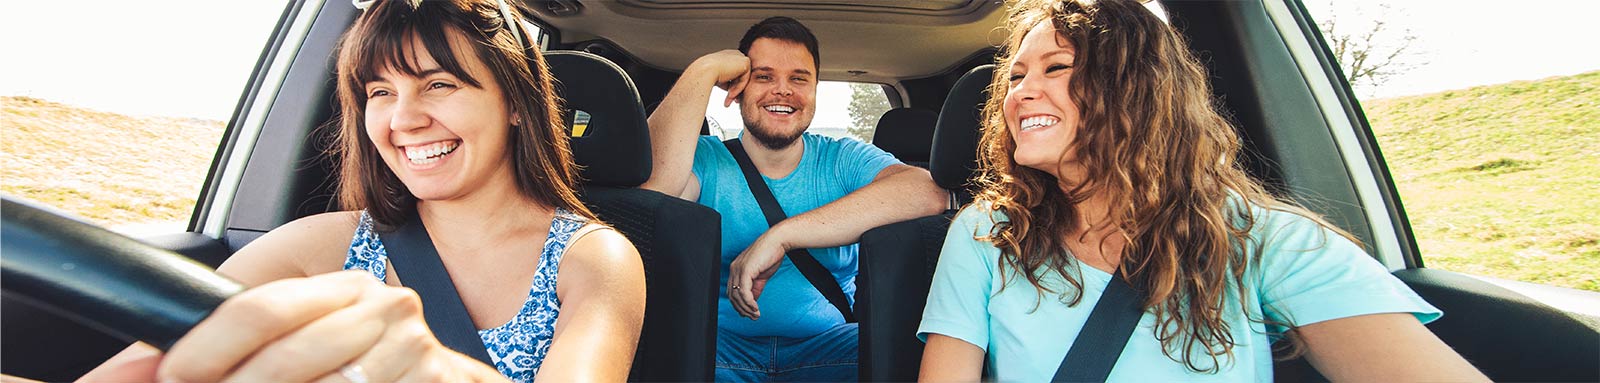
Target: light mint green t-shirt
1306	274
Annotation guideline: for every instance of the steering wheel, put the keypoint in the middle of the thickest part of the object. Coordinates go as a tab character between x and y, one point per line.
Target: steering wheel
119	285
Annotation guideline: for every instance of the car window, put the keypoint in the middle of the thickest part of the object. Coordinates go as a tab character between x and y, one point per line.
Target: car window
537	35
117	118
1491	135
844	110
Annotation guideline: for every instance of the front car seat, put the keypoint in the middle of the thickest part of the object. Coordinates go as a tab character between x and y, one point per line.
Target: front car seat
907	134
678	240
897	260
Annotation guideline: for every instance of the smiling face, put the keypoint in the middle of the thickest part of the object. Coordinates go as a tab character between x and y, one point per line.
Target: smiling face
777	103
442	136
1039	111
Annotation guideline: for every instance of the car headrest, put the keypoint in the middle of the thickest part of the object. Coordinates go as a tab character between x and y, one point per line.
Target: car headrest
611	142
906	133
954	158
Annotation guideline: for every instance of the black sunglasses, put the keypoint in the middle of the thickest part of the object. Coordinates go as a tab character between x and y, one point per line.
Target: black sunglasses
505	14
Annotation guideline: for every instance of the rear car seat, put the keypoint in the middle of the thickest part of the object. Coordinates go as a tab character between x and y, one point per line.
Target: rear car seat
678	240
897	260
907	134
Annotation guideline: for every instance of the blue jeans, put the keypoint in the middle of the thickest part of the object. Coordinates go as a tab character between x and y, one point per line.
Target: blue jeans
826	357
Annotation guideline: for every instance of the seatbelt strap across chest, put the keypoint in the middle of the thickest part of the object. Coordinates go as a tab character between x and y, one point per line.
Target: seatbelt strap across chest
417	264
1104	334
813	270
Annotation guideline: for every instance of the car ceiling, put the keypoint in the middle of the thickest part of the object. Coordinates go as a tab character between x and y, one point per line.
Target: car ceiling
866	41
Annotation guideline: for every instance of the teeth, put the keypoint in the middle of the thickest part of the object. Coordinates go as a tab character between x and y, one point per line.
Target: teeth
1031	123
430	153
780	109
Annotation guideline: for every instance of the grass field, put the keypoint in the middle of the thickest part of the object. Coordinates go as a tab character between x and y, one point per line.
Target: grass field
113	169
1500	180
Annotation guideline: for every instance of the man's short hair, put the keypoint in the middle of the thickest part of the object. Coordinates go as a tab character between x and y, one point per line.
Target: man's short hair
785	29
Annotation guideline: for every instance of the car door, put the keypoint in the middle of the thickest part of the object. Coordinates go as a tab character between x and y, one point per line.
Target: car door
41	344
1308	138
1259	52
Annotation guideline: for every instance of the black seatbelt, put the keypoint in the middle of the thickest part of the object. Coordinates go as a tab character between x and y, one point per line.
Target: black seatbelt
819	276
1104	335
417	263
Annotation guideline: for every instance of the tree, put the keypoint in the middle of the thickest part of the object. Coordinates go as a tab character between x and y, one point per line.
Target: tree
1370	51
867	104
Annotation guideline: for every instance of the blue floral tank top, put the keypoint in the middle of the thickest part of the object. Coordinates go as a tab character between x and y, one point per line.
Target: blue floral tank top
517	348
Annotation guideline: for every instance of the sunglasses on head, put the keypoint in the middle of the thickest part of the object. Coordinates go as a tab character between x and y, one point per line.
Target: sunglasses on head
505	14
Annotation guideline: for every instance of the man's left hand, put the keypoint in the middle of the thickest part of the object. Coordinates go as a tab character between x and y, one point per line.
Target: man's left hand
751	270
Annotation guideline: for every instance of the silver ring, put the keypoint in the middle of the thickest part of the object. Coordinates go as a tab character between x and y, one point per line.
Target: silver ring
736	287
354	373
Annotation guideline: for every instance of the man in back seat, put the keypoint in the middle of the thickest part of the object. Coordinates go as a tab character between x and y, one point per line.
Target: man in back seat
774	324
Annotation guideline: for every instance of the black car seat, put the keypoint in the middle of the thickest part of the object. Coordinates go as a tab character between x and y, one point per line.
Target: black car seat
907	134
678	240
897	260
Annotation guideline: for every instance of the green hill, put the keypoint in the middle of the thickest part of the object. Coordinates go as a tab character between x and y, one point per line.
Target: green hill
112	169
1501	180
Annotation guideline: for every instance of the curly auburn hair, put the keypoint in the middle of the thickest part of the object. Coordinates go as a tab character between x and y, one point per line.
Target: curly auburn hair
1153	145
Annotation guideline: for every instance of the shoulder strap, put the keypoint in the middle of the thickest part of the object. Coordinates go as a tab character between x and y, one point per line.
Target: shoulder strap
1104	335
819	276
417	263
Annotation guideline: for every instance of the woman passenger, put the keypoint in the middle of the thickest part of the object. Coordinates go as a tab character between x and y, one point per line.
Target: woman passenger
1103	157
447	115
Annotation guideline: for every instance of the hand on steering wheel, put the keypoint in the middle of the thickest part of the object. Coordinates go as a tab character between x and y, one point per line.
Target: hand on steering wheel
333	327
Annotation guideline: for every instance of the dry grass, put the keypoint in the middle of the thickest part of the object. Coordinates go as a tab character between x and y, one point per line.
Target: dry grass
112	169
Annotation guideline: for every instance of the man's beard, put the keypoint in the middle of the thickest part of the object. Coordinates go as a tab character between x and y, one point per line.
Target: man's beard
770	138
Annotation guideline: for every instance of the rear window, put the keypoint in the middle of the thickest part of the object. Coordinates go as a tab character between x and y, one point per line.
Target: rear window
844	110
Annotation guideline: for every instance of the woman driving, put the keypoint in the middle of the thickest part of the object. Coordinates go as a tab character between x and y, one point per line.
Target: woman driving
448	120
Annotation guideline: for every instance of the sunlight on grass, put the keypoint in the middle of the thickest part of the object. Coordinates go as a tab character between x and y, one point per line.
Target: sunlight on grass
1501	180
112	169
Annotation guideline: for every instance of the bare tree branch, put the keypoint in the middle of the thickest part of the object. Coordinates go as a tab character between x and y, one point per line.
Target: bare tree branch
1375	54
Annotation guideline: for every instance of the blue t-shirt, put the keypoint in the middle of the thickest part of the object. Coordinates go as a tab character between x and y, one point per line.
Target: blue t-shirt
829	169
1306	274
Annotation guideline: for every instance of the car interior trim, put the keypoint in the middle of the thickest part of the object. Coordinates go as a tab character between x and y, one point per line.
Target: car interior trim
232	171
241	109
1385	243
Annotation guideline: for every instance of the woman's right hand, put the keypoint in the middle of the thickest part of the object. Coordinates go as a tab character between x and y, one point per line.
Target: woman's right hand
334	327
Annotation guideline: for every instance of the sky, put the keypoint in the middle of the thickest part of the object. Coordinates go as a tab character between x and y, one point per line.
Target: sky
174	58
1463	43
191	58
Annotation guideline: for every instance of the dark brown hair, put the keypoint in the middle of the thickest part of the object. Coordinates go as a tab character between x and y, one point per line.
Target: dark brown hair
541	158
1153	143
783	29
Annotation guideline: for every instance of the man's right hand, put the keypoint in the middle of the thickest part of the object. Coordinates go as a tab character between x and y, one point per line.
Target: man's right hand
730	68
675	123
